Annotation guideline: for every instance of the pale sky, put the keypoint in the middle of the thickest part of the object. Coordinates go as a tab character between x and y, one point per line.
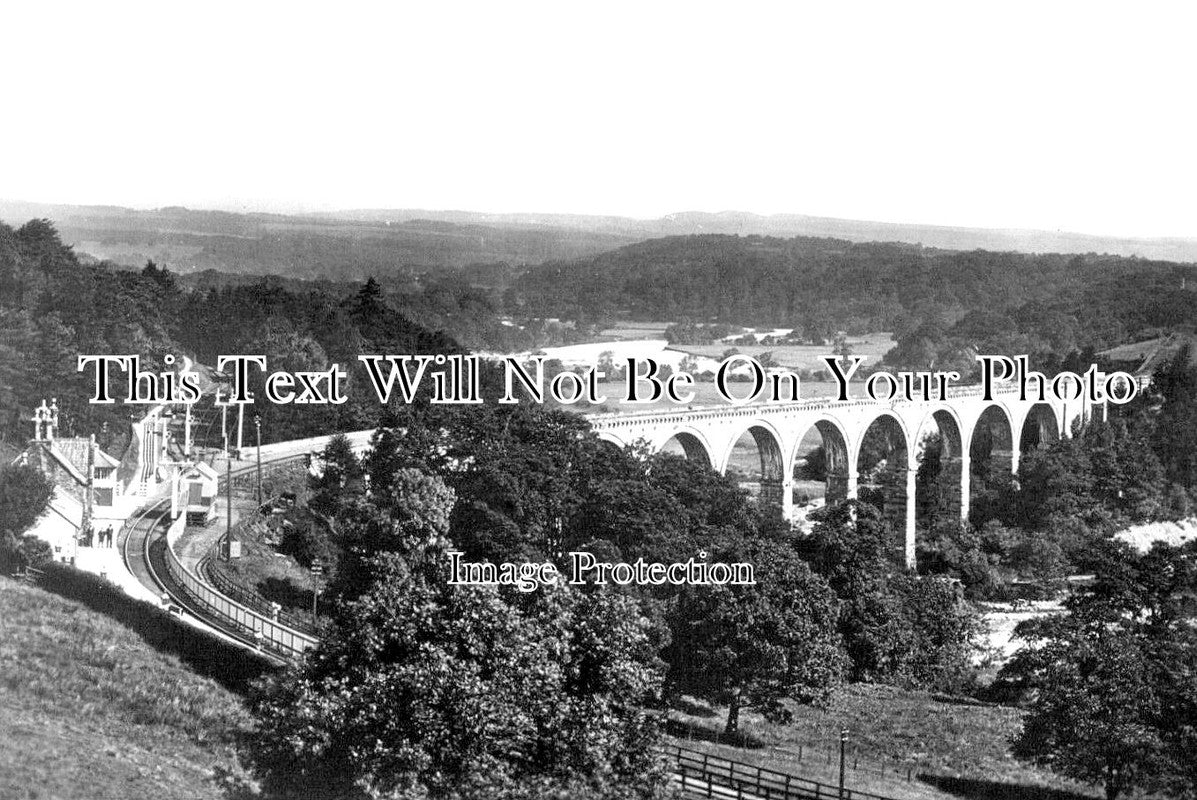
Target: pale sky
1074	116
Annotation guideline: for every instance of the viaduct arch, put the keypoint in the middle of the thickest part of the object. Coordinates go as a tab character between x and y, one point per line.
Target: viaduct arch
976	436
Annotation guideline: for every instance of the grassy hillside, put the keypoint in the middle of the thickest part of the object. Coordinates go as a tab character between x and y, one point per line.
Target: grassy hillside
88	710
947	749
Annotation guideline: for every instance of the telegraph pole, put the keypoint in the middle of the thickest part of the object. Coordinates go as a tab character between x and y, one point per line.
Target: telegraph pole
233	548
228	512
317	570
258	429
843	746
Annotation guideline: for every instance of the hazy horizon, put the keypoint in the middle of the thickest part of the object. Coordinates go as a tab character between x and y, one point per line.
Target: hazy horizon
302	210
1069	117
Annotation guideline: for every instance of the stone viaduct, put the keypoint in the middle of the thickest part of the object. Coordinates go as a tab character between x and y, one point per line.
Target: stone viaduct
882	442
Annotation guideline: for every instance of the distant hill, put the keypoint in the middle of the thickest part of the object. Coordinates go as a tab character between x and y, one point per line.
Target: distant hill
186	241
942	305
758	280
790	225
349	245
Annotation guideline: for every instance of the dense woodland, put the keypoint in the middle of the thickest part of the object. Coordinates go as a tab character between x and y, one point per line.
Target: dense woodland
558	693
54	308
941	305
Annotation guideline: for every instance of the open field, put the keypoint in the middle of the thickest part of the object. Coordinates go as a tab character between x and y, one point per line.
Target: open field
871	345
88	710
949	749
808	356
1174	534
1151	353
705	395
643	340
636	329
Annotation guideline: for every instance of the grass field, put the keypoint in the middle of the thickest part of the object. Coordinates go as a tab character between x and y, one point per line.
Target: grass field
959	750
872	346
88	710
636	329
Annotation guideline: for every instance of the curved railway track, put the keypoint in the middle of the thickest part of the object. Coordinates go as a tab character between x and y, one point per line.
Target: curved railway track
143	551
138	534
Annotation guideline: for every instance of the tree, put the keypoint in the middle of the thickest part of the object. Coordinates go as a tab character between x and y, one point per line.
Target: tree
946	633
959	550
24	494
813	466
1176	428
841	348
1111	684
1092	719
411	515
17	392
896	628
340	473
429	689
663	508
757	645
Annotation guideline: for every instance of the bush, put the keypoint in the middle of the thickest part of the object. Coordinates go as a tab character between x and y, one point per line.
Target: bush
19	552
308	544
24	494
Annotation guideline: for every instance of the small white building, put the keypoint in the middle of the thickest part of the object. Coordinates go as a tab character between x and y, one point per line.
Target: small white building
195	493
86	509
59	525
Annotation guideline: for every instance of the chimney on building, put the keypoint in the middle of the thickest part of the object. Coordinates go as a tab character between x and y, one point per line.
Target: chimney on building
41	422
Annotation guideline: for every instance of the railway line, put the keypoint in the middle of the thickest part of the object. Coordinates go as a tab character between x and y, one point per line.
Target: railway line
134	540
148	557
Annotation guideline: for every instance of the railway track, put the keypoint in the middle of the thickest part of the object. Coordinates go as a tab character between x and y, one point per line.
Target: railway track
134	545
144	552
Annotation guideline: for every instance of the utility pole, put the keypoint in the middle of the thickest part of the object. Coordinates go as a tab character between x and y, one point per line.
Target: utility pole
228	513
843	747
317	570
258	429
